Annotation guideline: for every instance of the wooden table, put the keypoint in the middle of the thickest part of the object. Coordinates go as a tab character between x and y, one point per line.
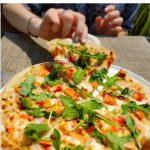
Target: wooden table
19	51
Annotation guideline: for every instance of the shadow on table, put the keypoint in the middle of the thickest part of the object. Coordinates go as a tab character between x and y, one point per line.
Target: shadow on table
35	51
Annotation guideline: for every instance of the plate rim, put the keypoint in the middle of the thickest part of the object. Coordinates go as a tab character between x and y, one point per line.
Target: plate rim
133	75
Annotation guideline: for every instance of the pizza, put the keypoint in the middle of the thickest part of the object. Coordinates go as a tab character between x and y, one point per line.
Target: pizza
86	56
75	105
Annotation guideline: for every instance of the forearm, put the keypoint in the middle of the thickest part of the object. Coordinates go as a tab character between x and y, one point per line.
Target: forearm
18	16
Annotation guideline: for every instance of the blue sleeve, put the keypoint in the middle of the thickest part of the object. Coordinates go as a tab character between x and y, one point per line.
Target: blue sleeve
129	14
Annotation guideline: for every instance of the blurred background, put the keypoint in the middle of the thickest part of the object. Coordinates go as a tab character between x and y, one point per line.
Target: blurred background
142	21
141	24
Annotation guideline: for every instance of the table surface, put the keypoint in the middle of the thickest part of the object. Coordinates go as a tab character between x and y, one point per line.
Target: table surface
19	51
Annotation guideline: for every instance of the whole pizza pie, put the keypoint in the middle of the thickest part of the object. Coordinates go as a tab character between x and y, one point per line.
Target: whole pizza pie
73	104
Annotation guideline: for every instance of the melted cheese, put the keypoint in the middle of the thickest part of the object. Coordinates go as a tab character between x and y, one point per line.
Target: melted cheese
96	146
147	129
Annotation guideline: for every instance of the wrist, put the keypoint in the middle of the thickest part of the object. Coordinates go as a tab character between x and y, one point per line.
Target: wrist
34	26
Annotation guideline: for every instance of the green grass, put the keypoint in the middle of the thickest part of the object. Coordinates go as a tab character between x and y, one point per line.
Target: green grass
142	21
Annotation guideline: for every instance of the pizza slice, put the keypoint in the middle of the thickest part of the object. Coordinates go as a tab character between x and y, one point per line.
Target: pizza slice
84	59
86	56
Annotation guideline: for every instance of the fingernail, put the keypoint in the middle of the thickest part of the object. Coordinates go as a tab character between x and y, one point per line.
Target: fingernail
106	9
76	39
106	16
84	40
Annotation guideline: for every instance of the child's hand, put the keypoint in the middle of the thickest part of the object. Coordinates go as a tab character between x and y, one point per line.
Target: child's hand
59	23
110	24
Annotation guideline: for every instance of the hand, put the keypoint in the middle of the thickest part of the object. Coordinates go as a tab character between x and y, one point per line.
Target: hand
110	24
59	23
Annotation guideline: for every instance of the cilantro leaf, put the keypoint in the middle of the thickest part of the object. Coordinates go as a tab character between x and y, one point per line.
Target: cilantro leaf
67	101
132	106
117	143
53	74
110	82
52	78
123	92
135	133
89	106
25	103
99	136
78	76
130	123
57	66
53	114
83	62
27	86
77	113
41	96
55	82
100	57
56	141
99	76
70	113
84	54
35	112
34	131
126	91
145	108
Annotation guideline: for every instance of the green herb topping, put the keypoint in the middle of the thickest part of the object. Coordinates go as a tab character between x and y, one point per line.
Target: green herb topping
78	76
135	133
27	86
56	141
34	131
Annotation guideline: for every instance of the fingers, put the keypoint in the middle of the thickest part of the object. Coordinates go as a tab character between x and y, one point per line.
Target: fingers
109	8
81	28
68	20
98	24
60	23
84	35
111	15
116	30
116	22
52	16
111	23
74	22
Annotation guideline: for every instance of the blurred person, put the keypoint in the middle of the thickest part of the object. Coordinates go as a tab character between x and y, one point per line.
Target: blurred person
101	19
56	23
62	20
109	19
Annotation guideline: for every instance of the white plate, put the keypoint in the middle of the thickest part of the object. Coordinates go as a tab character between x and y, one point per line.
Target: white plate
93	39
114	69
